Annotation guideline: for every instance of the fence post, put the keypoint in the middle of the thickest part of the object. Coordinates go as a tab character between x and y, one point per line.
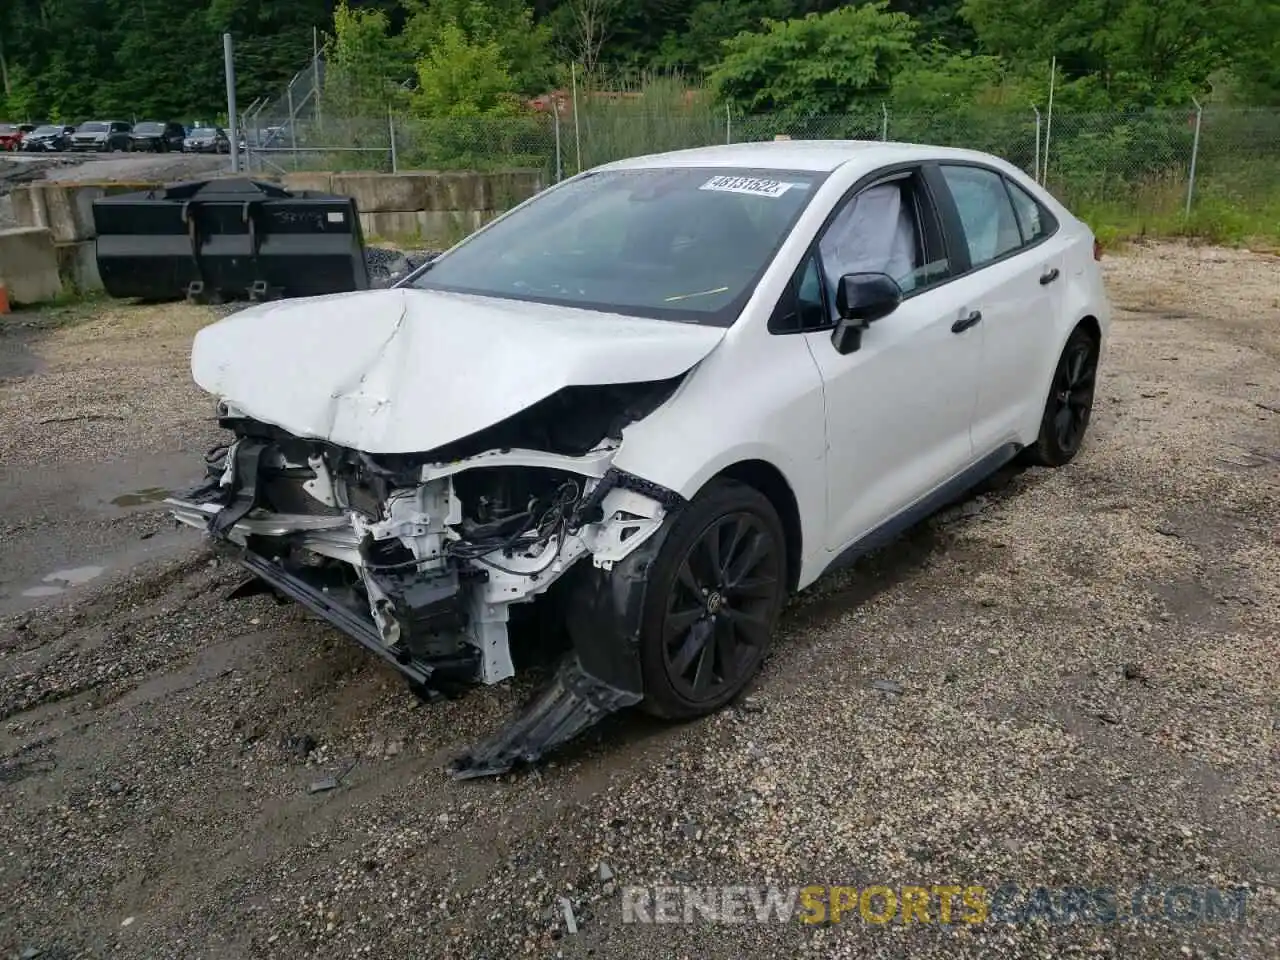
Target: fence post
391	128
248	147
315	72
728	124
1048	121
1195	153
577	133
1035	171
555	112
293	136
884	121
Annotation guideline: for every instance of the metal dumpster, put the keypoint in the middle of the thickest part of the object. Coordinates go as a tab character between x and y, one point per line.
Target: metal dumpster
228	239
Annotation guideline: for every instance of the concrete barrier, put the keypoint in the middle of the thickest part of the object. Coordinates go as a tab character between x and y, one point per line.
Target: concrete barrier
432	207
427	207
78	266
66	209
29	265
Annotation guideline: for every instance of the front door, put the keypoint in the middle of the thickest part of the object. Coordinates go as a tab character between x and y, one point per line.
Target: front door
899	407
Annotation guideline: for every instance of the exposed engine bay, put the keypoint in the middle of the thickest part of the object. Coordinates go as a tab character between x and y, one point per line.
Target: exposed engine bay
421	557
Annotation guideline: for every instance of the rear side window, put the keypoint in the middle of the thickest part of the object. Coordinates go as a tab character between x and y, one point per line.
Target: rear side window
1035	221
986	213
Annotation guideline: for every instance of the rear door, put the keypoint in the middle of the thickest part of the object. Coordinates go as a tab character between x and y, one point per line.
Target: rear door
1016	261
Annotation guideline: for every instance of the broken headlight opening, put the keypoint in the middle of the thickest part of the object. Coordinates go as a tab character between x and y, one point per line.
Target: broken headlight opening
427	559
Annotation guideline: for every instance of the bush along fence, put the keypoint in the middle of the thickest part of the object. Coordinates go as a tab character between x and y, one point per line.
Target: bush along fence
1213	171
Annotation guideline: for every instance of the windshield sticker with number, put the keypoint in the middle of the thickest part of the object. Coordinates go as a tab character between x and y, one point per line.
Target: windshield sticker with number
754	186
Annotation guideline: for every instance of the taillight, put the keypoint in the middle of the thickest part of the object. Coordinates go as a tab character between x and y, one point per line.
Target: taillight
1097	249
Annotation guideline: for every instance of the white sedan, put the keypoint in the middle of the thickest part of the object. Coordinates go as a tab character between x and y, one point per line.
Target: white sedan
643	407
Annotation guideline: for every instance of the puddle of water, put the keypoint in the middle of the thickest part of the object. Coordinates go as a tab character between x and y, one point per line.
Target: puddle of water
42	591
18	361
58	581
138	497
75	576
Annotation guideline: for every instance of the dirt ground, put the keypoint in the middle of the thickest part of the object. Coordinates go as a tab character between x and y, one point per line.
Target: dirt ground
1072	679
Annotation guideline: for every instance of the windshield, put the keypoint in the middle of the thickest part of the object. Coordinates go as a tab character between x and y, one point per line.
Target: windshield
46	130
673	243
93	127
145	128
203	132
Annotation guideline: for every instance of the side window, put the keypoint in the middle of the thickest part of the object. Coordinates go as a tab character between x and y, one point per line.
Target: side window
986	212
801	307
809	303
1036	222
888	228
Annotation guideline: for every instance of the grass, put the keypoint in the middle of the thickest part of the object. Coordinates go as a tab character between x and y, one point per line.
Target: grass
67	310
1219	214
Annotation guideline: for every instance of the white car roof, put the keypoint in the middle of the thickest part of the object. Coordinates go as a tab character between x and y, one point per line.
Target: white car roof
817	155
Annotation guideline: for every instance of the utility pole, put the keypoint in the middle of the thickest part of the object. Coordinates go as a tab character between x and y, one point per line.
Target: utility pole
4	68
228	58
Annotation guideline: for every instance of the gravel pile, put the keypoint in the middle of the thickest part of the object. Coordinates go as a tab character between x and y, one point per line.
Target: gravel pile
1070	679
388	266
164	167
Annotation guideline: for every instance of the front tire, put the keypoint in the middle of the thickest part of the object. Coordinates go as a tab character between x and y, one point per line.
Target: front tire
1069	406
714	595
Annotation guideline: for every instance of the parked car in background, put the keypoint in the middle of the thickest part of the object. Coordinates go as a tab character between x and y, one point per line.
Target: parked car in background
103	135
48	138
12	134
207	140
157	137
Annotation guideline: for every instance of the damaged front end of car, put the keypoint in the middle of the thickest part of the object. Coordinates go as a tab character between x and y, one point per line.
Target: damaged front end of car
422	558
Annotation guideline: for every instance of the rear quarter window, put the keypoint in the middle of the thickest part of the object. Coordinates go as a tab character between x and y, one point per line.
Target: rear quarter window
1034	220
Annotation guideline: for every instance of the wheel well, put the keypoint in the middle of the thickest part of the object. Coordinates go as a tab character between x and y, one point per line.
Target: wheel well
767	479
1091	324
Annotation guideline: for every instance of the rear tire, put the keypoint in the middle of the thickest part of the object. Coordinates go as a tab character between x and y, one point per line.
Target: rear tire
1069	406
714	594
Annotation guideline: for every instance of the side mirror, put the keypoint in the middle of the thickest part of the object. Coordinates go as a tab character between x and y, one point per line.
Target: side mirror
861	299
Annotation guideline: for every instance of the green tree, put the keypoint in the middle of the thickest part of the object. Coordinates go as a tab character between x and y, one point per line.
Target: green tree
1135	52
712	22
935	77
459	77
1253	38
363	63
525	46
821	64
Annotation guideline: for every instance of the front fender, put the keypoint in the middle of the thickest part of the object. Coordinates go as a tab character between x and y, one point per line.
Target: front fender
687	475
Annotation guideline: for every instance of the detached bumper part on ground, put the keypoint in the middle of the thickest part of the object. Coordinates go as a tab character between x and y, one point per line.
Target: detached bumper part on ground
420	564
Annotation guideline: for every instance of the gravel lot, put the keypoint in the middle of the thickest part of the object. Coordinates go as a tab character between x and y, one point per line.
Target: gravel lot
1070	679
73	167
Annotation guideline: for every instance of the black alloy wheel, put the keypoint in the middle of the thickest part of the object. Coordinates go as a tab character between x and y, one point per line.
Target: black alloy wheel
716	591
1070	403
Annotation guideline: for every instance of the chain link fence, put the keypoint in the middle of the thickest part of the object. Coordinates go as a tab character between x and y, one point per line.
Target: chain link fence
1128	168
320	122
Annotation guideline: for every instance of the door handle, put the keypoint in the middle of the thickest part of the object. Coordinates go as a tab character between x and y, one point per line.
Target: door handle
964	323
1048	277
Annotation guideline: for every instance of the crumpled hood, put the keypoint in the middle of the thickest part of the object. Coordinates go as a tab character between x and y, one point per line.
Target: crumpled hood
405	371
